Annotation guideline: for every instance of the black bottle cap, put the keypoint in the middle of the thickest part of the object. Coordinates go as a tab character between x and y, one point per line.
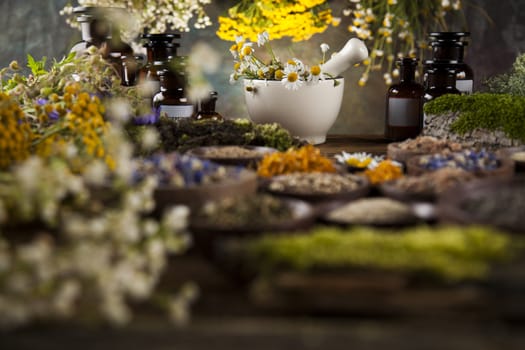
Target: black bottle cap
407	61
449	36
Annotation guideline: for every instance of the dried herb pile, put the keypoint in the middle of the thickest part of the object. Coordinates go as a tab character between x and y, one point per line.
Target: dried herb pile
184	134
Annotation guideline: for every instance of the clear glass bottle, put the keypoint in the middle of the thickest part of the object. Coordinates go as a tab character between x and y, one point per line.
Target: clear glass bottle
94	28
449	47
404	104
441	80
171	101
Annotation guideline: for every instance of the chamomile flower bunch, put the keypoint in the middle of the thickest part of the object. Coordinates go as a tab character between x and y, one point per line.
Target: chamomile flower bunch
293	73
396	28
155	16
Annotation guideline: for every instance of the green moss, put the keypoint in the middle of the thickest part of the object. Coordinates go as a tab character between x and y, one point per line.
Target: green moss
451	253
483	111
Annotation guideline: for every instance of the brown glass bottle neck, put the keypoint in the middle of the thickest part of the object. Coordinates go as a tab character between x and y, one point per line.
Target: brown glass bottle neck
160	53
441	79
407	73
448	53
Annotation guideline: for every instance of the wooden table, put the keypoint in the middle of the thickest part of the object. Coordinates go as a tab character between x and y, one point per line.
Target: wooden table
375	144
225	318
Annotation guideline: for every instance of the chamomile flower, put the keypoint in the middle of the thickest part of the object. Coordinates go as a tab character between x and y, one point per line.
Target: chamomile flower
292	78
359	160
233	78
247	49
263	38
316	74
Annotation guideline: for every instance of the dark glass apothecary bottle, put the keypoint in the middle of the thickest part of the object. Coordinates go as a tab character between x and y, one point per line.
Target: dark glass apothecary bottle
98	30
206	108
449	48
171	101
404	104
441	80
160	50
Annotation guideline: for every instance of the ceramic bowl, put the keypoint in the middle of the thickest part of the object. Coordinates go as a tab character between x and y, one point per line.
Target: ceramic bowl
307	113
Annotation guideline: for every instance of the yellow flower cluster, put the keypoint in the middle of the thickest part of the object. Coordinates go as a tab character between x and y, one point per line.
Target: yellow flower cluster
396	28
15	132
384	171
79	121
297	19
306	159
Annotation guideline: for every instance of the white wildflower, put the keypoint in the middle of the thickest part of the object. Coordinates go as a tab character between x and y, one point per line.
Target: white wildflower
119	110
263	38
150	138
176	218
96	172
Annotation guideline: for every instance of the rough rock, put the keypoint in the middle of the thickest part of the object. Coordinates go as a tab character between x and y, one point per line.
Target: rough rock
439	126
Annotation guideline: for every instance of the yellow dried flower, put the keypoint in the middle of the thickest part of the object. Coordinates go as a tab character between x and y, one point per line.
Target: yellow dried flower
15	132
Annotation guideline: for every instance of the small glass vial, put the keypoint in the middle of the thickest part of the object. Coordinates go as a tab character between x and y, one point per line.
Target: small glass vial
441	80
449	47
207	108
404	104
171	101
128	70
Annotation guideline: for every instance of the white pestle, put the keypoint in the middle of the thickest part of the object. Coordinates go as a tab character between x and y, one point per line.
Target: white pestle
353	52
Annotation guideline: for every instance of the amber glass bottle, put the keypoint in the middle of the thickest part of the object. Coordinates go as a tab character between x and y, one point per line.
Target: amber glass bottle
160	50
404	104
449	48
441	80
207	108
171	101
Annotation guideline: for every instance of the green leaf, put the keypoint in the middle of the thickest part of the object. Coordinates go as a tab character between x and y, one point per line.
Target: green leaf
37	67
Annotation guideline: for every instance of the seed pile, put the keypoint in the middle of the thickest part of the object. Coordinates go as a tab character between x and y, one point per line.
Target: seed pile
373	211
316	183
429	144
252	211
434	182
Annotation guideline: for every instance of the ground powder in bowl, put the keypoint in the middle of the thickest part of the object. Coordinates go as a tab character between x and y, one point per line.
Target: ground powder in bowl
373	211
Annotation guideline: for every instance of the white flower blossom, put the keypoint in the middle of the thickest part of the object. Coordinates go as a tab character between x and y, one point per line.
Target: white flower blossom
263	38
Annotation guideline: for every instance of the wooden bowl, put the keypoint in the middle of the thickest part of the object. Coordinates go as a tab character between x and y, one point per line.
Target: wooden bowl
313	197
204	153
451	205
395	152
239	182
504	170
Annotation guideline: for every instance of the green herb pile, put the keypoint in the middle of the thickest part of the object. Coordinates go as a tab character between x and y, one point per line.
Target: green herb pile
183	134
483	111
512	83
449	253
